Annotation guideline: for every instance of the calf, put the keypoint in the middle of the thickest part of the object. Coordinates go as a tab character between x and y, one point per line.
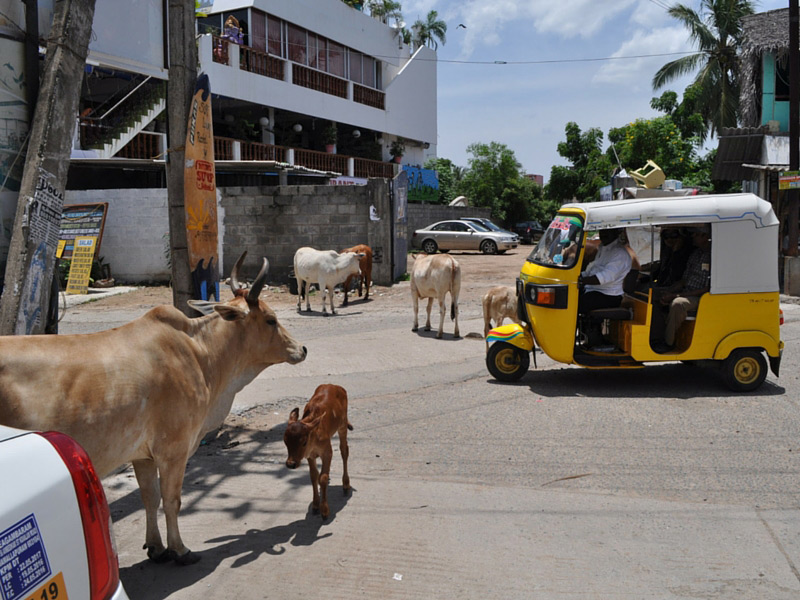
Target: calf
433	276
365	277
327	268
310	438
499	303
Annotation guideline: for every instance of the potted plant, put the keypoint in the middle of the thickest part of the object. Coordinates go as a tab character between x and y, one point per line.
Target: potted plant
397	149
329	137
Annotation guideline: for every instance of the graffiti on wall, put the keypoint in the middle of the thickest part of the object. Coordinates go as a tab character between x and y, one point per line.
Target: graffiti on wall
423	185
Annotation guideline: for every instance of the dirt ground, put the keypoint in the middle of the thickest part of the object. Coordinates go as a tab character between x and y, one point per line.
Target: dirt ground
479	272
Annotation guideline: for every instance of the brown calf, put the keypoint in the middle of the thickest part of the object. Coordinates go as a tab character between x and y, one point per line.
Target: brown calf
310	438
365	265
499	303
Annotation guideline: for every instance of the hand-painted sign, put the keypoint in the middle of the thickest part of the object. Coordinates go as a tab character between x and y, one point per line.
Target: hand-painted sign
80	269
201	195
789	180
82	220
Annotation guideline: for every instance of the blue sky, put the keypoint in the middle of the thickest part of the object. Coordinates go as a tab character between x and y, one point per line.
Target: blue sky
526	106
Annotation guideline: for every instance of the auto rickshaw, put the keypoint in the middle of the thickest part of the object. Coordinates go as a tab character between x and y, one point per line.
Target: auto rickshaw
736	323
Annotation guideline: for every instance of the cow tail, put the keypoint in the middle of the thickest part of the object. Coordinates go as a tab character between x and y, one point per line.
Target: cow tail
349	426
455	286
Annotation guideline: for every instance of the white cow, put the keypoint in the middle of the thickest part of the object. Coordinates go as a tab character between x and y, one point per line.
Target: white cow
499	303
327	268
432	277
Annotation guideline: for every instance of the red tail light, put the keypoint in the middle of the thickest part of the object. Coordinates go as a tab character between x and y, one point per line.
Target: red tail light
781	317
100	551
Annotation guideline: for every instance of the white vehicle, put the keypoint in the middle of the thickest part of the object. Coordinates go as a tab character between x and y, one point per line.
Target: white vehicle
55	525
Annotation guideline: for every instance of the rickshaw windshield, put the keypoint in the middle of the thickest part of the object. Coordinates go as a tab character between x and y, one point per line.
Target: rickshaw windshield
560	244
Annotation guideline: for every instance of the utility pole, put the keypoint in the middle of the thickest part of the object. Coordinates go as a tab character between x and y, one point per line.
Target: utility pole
182	77
34	240
794	122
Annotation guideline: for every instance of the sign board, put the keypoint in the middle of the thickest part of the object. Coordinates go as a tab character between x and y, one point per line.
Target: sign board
81	220
81	267
201	195
789	180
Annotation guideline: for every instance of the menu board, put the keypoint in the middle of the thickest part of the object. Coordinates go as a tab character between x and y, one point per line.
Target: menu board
82	220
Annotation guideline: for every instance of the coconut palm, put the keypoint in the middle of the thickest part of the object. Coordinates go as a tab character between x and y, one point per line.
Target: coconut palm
717	33
427	32
385	10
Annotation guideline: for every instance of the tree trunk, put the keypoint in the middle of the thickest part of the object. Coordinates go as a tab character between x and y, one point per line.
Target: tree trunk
182	76
34	240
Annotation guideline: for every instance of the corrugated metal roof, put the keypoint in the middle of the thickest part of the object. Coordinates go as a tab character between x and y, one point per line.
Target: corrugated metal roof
737	147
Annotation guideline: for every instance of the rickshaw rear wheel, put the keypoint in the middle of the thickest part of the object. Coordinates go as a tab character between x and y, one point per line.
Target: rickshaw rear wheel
506	362
744	370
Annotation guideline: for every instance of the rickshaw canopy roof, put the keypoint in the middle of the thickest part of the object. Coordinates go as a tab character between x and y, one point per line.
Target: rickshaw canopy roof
716	208
744	233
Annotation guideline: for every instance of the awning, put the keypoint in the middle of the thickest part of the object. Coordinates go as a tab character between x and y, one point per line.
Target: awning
738	147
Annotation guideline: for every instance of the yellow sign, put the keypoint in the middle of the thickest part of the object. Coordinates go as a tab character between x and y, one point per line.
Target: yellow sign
789	180
60	250
52	589
81	267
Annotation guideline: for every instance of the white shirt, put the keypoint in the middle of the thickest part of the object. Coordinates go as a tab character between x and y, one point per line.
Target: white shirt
610	266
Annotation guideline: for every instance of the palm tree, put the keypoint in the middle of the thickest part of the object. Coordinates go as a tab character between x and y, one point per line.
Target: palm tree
385	10
717	33
426	31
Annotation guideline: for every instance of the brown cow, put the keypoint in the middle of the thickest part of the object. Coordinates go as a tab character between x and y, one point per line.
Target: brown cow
499	303
365	276
146	392
433	277
310	438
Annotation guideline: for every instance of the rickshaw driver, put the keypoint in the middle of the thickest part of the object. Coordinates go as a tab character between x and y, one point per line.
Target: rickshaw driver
601	282
683	297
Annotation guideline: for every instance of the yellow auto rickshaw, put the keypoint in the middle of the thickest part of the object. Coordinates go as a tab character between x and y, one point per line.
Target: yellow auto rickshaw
735	325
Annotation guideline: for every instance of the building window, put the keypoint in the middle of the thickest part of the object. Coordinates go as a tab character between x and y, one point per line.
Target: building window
356	62
297	44
275	36
782	79
369	72
335	59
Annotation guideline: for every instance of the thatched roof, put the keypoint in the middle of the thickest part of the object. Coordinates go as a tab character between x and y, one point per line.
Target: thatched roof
763	32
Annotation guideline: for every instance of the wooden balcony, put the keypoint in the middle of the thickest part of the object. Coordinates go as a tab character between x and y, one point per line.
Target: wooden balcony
261	63
144	145
319	81
365	167
256	151
220	50
369	96
223	148
321	161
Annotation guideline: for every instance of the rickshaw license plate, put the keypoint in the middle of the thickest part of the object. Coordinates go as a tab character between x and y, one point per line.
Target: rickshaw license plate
52	589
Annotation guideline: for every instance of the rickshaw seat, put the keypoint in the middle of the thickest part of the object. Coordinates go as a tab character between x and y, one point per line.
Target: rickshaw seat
625	311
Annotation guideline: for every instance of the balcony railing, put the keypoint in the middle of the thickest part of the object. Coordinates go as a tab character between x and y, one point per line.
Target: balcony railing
261	63
256	151
220	50
223	148
369	96
322	161
144	145
365	167
319	81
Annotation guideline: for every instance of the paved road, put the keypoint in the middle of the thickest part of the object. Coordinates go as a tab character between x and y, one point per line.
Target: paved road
573	483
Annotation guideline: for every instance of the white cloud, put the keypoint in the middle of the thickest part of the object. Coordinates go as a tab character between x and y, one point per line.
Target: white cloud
638	72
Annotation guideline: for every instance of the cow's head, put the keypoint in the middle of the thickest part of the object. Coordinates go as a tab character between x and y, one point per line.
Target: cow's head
297	437
261	337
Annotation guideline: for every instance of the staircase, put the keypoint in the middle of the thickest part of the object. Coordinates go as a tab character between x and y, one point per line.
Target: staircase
126	134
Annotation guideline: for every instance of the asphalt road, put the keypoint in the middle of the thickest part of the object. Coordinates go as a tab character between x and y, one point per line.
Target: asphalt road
573	483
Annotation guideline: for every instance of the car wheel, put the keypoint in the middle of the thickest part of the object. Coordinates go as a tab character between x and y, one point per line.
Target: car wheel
744	370
489	247
506	362
429	247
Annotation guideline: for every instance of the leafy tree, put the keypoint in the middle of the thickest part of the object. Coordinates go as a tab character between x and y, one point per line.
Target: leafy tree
717	32
658	140
450	177
591	168
428	31
385	10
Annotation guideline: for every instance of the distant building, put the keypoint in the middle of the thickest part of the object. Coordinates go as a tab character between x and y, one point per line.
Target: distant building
537	178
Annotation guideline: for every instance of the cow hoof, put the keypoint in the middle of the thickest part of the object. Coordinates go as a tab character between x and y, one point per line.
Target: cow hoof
324	511
414	328
456	336
158	556
189	558
427	328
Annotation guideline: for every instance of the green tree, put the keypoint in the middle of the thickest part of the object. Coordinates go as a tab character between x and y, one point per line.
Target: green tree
428	31
657	139
716	32
450	177
590	170
385	10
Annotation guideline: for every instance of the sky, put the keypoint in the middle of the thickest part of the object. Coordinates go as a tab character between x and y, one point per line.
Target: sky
560	79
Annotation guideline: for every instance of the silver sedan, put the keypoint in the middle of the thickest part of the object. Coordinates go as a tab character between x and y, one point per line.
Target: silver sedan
461	235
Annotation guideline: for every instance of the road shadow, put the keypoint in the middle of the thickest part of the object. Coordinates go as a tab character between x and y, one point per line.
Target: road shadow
235	451
674	380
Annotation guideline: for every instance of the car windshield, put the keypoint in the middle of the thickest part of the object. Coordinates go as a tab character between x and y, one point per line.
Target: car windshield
559	246
478	226
490	225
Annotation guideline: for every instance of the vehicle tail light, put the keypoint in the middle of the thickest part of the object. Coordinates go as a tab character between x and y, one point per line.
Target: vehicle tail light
781	317
100	551
545	296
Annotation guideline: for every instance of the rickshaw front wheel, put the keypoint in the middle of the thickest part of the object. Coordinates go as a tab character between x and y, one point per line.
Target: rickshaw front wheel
506	362
744	370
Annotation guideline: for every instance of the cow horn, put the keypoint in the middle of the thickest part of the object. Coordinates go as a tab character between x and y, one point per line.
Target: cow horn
258	284
235	285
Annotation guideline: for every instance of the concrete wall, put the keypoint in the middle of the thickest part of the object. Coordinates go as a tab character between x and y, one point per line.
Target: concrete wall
266	221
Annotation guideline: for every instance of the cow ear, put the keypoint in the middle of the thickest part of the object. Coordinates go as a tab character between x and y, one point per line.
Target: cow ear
204	307
231	313
294	415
